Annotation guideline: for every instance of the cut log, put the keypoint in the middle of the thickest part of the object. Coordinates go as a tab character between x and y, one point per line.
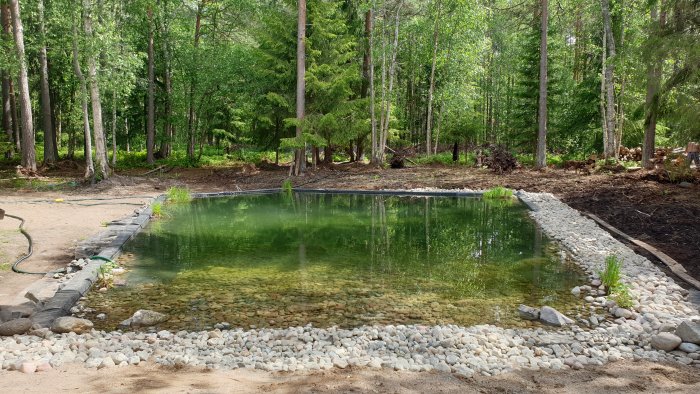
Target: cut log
672	264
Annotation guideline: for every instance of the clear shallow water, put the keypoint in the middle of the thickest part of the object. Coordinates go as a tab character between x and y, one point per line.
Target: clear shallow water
348	260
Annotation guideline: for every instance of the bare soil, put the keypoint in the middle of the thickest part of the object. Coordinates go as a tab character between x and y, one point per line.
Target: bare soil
663	215
619	377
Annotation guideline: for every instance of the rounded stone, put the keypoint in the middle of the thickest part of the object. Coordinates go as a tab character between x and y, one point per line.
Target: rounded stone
67	324
665	341
15	327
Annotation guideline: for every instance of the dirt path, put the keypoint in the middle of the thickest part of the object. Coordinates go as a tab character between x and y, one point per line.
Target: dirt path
620	377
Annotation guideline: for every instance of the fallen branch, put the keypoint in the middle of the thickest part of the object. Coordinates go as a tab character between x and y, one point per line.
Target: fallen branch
672	264
405	158
154	170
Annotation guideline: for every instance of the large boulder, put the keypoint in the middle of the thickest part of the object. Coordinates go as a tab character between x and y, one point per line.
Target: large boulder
551	316
665	341
68	324
147	318
15	327
689	332
528	312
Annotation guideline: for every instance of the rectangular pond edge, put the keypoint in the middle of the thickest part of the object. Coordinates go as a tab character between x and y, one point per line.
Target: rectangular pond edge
75	288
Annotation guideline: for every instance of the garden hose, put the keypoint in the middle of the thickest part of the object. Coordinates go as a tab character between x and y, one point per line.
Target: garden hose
30	249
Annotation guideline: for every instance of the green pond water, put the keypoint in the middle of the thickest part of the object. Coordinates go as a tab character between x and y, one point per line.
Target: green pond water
280	260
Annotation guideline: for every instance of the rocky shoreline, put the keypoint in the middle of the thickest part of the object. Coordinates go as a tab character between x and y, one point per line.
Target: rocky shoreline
660	318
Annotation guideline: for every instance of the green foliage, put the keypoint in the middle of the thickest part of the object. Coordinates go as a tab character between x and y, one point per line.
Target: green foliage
179	195
498	192
622	296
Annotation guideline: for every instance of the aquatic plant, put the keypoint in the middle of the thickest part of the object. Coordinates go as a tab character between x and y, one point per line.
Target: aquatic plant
610	276
157	209
179	195
498	192
287	186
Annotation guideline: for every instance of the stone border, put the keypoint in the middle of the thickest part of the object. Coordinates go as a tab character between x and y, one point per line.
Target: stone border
109	243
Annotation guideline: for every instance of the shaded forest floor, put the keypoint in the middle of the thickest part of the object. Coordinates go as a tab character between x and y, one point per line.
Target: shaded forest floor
664	215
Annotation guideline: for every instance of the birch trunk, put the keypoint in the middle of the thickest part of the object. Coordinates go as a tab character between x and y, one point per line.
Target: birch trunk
373	115
96	102
609	148
87	148
431	89
50	147
166	145
6	102
191	137
151	116
651	107
392	72
541	161
300	155
28	150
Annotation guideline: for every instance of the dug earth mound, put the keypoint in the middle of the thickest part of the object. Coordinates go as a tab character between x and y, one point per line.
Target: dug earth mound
661	326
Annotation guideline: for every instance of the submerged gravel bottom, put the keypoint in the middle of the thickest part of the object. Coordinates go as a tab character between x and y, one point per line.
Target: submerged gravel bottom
485	349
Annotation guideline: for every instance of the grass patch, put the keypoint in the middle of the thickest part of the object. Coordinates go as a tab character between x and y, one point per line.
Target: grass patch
610	276
287	186
498	192
157	209
179	195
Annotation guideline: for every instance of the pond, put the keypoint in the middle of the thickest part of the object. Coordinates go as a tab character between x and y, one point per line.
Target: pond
347	260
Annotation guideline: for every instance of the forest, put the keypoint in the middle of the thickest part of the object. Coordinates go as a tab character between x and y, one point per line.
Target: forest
110	83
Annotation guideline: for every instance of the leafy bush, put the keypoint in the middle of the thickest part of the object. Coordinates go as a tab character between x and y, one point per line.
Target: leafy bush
498	192
179	195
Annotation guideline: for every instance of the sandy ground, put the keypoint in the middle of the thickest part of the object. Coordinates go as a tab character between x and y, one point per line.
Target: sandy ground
57	227
620	377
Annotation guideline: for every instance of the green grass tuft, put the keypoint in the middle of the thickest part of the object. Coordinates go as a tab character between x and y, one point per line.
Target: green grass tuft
498	192
610	276
157	209
179	195
287	186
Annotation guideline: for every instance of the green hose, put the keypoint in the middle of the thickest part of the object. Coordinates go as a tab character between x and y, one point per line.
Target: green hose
30	249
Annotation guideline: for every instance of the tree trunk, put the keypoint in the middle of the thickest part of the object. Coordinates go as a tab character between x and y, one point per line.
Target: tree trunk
151	117
87	147
28	152
191	137
609	148
300	155
50	148
541	161
166	145
97	124
373	116
431	89
392	72
6	102
651	106
114	129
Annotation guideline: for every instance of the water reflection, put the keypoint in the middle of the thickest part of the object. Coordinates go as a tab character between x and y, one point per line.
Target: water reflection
350	259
